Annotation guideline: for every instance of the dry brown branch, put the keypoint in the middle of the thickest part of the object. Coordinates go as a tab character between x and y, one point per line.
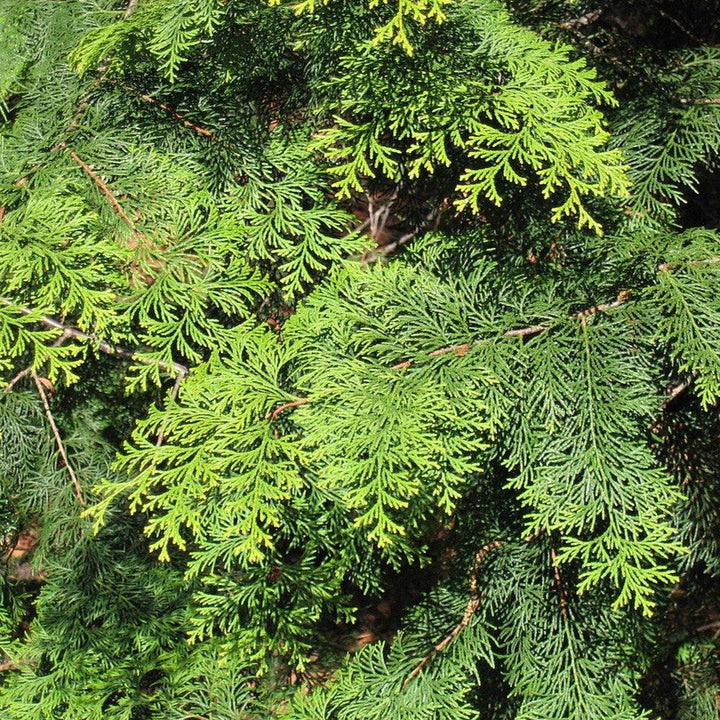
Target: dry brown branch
103	346
16	379
576	26
58	439
470	608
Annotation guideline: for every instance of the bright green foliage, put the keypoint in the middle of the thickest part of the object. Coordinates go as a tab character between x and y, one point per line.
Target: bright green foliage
513	106
362	361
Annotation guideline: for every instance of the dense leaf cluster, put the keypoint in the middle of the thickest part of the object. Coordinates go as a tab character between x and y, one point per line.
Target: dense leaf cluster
359	361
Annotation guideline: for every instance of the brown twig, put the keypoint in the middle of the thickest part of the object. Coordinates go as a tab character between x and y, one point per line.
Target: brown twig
172	369
58	440
15	380
470	608
576	26
279	410
170	111
464	348
104	189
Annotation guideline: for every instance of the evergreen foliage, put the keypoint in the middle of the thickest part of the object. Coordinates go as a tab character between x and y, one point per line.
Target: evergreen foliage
361	360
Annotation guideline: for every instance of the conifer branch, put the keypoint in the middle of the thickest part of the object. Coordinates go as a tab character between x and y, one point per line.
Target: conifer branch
58	440
463	348
470	608
85	100
173	369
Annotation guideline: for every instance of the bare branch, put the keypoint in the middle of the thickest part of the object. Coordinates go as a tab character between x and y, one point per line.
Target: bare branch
15	380
58	439
407	237
675	392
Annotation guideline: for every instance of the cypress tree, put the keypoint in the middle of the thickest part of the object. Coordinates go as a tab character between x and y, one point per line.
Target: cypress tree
361	360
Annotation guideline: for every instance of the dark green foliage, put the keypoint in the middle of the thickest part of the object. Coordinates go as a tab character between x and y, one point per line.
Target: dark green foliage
361	360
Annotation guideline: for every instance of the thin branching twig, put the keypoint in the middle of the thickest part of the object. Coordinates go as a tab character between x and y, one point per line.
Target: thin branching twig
58	440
